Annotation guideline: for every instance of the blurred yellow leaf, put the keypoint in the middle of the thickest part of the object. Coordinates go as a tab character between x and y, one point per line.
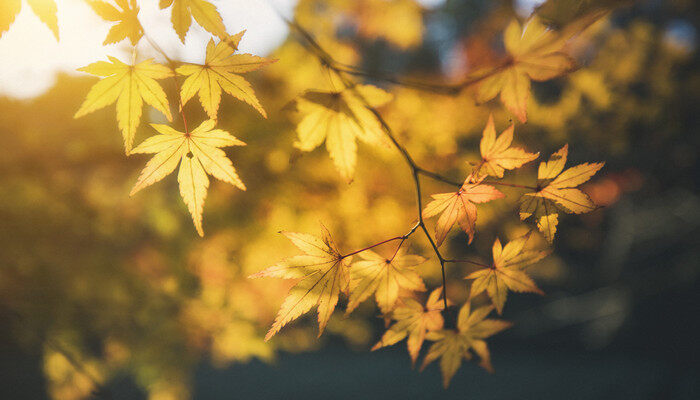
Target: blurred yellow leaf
534	53
44	9
338	117
128	25
400	22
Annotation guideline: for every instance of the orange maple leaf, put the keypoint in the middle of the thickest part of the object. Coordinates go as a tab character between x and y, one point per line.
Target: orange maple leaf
459	207
413	320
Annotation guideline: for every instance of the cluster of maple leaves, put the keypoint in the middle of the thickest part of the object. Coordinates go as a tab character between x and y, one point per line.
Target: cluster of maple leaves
323	272
339	118
197	151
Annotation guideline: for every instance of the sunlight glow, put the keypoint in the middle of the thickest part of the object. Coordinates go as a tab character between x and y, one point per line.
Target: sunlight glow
37	57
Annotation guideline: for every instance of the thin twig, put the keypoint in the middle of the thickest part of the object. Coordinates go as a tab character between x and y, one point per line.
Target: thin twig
172	65
402	238
329	62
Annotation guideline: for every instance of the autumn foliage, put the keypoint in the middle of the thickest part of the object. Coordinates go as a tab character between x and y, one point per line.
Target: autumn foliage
351	116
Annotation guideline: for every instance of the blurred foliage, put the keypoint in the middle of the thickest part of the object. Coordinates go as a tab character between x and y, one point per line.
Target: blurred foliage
106	286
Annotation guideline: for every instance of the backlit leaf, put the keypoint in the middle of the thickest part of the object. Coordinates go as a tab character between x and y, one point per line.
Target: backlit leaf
506	273
44	9
459	207
413	320
323	274
198	153
205	13
384	277
129	86
218	73
496	153
128	25
557	192
453	345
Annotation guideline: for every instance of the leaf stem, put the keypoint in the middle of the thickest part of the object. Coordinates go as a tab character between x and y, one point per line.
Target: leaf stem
416	171
468	262
508	184
171	65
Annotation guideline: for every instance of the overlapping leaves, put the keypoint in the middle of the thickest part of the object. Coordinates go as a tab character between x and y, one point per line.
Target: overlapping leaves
454	345
556	191
414	321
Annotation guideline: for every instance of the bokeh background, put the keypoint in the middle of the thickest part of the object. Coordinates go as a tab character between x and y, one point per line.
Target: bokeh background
110	297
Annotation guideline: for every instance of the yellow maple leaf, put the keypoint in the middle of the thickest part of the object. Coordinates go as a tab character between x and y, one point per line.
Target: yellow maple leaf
205	13
384	277
452	346
44	9
323	274
218	73
339	117
556	191
506	272
413	320
534	52
129	86
128	25
198	153
459	207
496	153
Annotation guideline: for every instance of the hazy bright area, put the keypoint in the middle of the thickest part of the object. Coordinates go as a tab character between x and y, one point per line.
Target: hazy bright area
104	295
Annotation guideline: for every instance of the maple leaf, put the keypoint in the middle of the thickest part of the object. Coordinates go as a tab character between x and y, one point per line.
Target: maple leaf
198	153
557	192
507	272
534	52
44	9
219	72
128	25
459	207
452	346
496	153
414	321
205	13
129	86
323	274
384	277
338	117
